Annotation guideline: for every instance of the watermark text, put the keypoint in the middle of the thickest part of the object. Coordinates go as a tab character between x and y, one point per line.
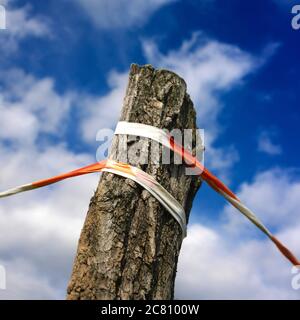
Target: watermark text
139	150
296	17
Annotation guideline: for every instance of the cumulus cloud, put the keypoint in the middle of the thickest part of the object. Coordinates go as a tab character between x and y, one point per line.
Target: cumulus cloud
231	261
21	24
110	14
101	112
39	230
273	195
266	145
207	66
30	106
213	266
23	281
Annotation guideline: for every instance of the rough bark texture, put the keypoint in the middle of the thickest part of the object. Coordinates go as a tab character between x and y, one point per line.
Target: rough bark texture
129	245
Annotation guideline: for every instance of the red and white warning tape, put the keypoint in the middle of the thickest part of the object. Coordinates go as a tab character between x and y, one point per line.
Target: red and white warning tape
121	169
149	183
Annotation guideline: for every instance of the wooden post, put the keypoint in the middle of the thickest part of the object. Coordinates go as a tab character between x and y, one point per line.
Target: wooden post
129	245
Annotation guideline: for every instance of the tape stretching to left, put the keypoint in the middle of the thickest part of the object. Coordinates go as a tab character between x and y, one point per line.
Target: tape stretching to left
121	169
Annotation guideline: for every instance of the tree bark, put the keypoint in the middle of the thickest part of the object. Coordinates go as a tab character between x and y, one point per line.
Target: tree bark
129	245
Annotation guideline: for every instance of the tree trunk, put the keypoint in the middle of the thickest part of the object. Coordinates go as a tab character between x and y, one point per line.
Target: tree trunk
129	245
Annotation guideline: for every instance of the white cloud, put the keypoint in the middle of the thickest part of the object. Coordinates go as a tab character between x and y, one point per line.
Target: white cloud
23	281
273	195
266	145
31	106
110	14
207	66
99	112
21	24
229	261
213	266
40	229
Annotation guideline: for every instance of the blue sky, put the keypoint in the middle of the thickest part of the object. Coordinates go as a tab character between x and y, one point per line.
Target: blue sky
65	64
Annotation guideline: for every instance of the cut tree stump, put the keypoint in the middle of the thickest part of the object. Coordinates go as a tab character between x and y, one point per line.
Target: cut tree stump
129	245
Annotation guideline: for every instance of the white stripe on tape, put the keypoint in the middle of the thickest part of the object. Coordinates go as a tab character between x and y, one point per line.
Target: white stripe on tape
158	191
143	130
10	192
